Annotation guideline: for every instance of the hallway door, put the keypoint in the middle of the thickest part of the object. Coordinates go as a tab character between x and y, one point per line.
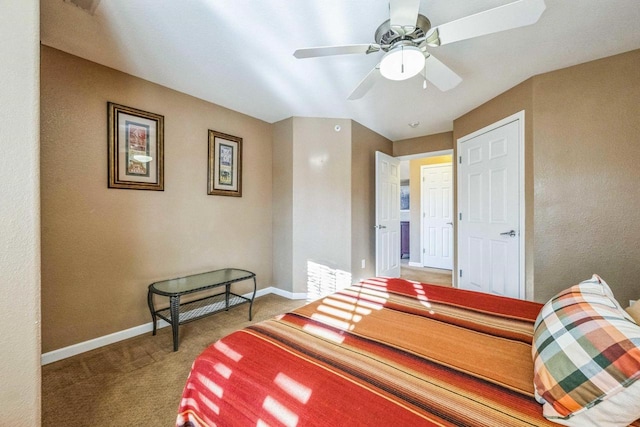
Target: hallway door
489	199
437	215
387	226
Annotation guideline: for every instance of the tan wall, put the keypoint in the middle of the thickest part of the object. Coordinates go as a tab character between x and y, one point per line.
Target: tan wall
415	202
102	247
321	197
324	201
19	214
423	144
364	144
587	176
283	204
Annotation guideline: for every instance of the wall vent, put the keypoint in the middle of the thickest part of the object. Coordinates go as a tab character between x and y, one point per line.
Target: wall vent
86	5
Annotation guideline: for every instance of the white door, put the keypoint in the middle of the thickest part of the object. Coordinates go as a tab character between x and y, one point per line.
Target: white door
437	216
489	214
387	226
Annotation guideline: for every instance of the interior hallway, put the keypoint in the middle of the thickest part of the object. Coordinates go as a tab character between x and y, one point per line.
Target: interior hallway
426	275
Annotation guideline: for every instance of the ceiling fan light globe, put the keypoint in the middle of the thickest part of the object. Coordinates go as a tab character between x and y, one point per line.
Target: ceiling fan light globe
402	62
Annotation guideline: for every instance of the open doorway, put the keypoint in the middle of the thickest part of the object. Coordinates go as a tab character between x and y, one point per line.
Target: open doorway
426	218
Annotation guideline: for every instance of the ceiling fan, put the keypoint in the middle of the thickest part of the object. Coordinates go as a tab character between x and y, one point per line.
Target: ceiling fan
405	36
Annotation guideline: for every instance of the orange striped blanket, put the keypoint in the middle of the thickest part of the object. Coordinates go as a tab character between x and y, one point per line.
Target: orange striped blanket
384	352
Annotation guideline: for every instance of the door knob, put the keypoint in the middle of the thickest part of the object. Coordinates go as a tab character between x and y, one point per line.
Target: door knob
379	226
510	233
449	223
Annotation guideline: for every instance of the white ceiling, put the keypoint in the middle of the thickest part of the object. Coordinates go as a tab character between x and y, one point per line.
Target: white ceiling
239	53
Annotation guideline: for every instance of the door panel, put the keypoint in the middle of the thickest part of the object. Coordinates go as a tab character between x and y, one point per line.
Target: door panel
447	242
476	260
499	258
474	196
498	196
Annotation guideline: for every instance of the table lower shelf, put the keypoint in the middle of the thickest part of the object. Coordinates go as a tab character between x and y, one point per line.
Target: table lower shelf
197	309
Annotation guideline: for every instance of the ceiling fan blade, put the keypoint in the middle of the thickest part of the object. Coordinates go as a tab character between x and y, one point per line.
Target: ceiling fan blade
512	15
366	84
404	13
443	77
313	52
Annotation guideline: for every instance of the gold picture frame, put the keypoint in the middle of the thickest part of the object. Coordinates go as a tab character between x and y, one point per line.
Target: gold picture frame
224	165
136	148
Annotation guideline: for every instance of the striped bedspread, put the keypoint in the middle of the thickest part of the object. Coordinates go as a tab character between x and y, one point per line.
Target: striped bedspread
385	352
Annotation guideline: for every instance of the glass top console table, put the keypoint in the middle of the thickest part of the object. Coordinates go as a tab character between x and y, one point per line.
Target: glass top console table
177	314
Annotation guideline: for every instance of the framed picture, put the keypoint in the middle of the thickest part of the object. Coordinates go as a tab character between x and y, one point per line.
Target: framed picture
136	148
225	165
404	197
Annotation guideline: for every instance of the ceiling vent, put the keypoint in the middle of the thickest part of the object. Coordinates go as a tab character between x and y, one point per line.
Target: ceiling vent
86	5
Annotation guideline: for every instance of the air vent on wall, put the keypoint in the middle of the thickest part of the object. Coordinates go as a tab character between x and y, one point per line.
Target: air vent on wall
86	5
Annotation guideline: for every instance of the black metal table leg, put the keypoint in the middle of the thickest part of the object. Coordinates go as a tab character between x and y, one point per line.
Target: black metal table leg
152	310
252	297
174	302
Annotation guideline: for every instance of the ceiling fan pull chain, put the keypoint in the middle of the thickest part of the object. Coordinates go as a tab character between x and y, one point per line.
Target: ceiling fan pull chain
402	61
424	83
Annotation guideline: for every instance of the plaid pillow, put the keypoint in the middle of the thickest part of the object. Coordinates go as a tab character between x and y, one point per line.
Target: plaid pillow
585	350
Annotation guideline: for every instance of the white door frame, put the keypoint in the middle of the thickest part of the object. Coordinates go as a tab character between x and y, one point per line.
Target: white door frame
423	244
519	116
422	156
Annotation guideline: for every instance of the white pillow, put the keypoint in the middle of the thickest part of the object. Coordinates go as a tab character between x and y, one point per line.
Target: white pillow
618	410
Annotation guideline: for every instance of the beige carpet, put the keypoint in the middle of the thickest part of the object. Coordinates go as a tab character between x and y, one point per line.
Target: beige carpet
426	275
138	382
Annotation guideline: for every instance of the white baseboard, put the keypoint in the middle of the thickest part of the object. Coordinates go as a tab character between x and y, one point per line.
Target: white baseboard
286	294
415	264
72	350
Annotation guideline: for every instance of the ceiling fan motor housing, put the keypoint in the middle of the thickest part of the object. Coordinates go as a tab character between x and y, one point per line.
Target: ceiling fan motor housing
387	36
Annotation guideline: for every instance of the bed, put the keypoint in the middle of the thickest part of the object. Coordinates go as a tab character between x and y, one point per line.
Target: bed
381	352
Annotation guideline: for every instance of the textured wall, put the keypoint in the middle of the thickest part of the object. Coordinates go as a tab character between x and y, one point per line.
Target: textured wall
587	176
19	214
312	195
321	197
102	247
283	204
423	144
